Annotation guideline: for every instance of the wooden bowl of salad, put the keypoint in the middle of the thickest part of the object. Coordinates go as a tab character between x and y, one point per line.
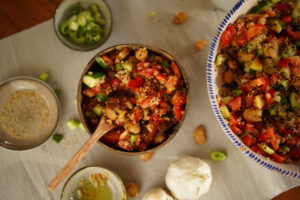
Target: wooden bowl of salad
253	77
141	89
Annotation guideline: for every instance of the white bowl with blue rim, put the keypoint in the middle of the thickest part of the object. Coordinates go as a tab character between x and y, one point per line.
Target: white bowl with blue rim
214	84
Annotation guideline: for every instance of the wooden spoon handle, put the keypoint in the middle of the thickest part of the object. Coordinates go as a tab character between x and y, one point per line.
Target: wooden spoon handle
79	155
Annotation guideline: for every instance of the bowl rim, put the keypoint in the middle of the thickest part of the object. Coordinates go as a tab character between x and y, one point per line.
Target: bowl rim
58	34
131	45
57	103
120	181
210	81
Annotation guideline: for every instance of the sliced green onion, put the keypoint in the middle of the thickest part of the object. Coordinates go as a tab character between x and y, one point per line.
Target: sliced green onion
75	38
57	137
73	124
165	63
75	9
217	155
44	76
266	148
94	8
81	126
64	27
102	97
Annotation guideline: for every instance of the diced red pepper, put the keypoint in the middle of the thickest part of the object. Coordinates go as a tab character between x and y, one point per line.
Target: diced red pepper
249	128
266	86
112	137
284	62
287	19
272	91
135	84
247	140
295	154
254	30
249	100
284	131
274	78
281	40
235	103
108	60
236	129
176	70
160	77
227	35
283	7
241	39
278	158
95	89
137	115
115	82
295	35
258	82
233	120
178	101
263	137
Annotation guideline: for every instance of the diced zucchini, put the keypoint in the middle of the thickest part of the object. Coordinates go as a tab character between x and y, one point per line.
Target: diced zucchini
294	100
247	67
127	66
90	81
119	67
273	111
237	92
283	150
258	102
221	58
73	124
101	62
256	65
286	72
225	112
284	83
266	148
276	25
44	76
98	110
259	51
227	99
133	139
101	97
283	101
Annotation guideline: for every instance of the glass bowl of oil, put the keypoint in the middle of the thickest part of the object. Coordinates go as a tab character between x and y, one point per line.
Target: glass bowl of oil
94	183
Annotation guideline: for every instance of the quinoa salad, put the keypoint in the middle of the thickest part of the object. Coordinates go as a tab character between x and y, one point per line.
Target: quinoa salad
140	91
259	57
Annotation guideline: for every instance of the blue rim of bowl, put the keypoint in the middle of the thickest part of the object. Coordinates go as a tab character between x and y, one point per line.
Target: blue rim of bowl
210	69
57	102
79	49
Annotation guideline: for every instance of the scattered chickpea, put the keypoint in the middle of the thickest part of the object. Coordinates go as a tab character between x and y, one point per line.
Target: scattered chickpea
146	156
180	18
228	76
132	190
141	54
200	135
200	44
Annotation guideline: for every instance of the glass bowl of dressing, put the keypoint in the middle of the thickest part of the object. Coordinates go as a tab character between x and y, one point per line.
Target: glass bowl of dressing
94	183
29	113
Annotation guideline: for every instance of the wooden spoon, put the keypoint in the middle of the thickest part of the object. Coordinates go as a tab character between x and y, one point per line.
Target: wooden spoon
101	129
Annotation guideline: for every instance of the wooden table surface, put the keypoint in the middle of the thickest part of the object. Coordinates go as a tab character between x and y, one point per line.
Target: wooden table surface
17	15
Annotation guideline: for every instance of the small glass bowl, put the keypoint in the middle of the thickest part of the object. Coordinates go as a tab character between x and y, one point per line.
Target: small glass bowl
114	183
61	14
19	130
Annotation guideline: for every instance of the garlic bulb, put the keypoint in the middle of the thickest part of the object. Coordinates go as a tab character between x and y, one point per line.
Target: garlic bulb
188	178
157	194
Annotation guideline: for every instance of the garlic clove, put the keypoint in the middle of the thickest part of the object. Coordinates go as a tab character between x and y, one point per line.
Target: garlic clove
188	178
157	194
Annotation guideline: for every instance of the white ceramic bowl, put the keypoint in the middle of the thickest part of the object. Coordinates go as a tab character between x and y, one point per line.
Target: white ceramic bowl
214	84
114	182
61	14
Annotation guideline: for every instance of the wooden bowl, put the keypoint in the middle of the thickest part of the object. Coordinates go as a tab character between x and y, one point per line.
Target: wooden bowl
131	46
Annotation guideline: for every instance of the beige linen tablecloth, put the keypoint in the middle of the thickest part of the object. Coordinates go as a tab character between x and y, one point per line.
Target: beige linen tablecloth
25	174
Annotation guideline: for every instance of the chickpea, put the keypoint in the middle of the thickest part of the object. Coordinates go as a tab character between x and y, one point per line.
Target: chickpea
132	189
232	64
253	115
141	54
180	18
228	76
131	127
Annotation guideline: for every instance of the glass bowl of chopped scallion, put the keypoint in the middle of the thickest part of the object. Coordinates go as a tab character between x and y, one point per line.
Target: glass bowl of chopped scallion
83	25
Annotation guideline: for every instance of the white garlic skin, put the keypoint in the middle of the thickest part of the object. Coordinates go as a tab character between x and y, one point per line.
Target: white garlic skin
157	194
188	178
